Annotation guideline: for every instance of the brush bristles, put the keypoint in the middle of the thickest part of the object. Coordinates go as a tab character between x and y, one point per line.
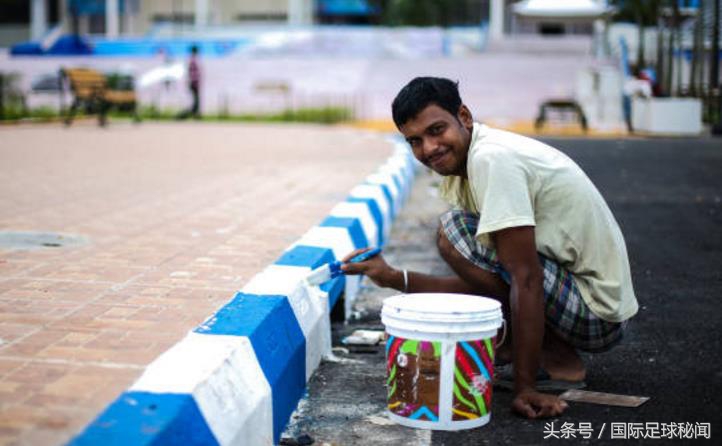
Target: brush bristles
319	275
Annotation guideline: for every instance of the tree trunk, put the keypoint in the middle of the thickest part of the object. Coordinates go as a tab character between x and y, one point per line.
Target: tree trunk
660	55
639	16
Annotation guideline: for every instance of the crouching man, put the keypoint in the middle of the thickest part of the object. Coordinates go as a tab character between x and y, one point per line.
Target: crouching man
528	228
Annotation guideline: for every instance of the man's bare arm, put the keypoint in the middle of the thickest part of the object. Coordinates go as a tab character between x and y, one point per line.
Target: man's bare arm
516	249
385	276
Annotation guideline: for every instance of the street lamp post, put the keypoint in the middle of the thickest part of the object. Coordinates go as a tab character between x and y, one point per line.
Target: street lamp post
714	69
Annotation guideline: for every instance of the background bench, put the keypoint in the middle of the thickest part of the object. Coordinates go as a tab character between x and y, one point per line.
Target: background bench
563	106
91	92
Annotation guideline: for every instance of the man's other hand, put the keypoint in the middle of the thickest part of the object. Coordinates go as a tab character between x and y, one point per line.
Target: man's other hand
533	404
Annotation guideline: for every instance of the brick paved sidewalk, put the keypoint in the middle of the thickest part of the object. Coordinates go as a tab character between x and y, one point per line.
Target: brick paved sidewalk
177	216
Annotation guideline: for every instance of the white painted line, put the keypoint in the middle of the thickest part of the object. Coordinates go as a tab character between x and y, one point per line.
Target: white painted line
224	377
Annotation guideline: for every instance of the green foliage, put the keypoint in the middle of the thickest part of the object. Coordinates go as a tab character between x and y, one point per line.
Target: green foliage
319	115
15	113
120	81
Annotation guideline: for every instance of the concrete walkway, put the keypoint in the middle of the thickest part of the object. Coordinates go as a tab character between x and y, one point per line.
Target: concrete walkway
172	220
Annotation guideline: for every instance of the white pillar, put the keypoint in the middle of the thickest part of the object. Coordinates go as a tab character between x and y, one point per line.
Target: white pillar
112	19
496	19
63	16
38	19
300	12
83	24
201	15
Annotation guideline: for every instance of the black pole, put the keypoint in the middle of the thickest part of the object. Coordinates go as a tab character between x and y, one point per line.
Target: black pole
714	70
2	96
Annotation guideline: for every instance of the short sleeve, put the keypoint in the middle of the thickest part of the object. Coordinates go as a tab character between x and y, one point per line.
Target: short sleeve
501	186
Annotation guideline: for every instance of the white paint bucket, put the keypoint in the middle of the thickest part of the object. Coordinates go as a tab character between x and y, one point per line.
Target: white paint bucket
440	359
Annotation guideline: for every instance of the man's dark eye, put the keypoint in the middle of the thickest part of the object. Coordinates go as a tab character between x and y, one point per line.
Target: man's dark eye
436	130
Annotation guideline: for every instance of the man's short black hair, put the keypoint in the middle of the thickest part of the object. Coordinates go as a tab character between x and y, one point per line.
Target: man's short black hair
422	92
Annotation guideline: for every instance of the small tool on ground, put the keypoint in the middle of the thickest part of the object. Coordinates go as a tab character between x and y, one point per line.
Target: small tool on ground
364	337
607	399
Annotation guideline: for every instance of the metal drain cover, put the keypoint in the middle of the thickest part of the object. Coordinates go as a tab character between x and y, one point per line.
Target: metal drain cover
39	240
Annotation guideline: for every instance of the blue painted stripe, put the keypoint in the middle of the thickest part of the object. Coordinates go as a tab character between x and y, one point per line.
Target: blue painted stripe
145	419
269	322
397	181
476	359
423	411
389	197
335	289
313	257
375	214
352	225
389	341
308	256
386	192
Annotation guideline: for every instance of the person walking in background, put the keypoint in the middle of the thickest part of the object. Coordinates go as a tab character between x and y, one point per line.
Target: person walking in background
194	85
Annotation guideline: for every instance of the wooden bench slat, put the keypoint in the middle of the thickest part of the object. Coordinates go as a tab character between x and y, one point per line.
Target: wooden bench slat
119	96
91	87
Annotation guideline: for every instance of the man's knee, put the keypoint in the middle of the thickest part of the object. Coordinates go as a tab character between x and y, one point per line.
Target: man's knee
446	249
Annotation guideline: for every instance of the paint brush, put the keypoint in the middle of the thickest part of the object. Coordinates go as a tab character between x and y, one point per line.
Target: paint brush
329	271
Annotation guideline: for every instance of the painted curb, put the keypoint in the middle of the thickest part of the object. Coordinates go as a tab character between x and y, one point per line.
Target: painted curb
236	378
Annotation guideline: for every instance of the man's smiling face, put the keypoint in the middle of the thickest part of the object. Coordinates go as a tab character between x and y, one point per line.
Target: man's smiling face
440	140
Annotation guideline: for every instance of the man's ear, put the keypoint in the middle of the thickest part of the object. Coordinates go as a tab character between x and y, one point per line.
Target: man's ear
465	117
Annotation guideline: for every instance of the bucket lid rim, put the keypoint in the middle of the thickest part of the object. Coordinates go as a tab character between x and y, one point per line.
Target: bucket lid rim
453	303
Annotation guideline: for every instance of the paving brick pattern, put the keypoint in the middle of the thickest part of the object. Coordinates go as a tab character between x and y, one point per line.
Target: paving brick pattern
177	217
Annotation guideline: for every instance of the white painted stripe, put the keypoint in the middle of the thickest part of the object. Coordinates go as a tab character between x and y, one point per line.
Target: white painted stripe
375	193
405	165
362	212
338	240
335	238
353	285
397	172
309	304
386	179
226	381
277	279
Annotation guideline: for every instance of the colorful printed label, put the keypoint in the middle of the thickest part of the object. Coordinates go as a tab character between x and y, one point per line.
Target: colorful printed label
473	376
413	371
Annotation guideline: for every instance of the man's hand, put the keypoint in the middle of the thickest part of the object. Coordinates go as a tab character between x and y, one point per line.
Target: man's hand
374	268
533	404
386	276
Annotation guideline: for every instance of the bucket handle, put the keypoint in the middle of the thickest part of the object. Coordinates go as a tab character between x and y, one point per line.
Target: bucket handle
503	334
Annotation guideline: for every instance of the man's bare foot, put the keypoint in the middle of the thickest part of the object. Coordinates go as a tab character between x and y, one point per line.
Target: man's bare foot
571	370
560	360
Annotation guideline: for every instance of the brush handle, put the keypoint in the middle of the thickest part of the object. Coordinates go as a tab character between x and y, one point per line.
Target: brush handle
365	256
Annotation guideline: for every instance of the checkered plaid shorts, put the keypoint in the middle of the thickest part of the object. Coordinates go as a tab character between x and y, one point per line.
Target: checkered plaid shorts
565	310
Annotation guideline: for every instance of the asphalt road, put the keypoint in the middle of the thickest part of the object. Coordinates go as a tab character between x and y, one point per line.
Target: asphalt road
667	197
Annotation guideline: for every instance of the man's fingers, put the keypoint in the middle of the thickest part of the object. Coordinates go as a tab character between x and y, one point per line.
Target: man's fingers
524	408
353	268
539	405
548	410
354	253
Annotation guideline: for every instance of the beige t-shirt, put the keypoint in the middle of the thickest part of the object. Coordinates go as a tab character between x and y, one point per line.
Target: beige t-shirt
517	181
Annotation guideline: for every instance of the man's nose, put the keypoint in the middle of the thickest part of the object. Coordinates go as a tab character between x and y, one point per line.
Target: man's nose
429	146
